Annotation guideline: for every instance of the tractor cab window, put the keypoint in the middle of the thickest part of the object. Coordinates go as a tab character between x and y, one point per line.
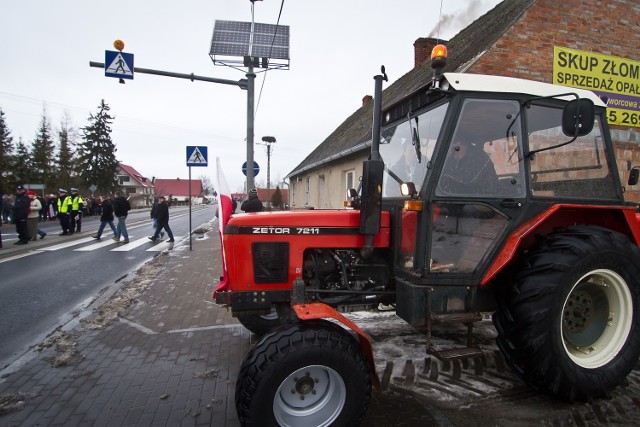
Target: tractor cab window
579	169
485	156
407	149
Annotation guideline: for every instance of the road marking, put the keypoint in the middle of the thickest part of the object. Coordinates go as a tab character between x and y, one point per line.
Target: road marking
138	326
98	245
163	246
125	247
67	244
26	254
205	328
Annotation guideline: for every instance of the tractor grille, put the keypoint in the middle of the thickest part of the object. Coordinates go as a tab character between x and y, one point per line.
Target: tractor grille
270	262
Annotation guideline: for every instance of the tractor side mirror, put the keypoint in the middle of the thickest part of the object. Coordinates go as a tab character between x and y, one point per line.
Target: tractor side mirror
633	176
578	117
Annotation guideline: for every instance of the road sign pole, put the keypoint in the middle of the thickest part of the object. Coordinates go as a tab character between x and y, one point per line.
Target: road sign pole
190	248
250	99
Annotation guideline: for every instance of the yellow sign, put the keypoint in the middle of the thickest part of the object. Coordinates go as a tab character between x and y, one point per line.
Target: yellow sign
613	78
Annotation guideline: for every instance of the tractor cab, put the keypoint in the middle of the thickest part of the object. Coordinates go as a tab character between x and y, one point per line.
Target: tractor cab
472	158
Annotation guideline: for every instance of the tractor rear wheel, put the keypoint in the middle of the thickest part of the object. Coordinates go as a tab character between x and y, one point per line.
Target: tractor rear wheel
308	373
570	325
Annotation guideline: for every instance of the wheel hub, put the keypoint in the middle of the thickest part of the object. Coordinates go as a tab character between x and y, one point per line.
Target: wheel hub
305	385
313	395
578	311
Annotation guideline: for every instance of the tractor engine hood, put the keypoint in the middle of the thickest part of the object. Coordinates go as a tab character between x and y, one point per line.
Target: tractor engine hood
297	219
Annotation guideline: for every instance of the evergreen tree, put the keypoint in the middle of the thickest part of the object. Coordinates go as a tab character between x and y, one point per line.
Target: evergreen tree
22	164
276	198
6	156
96	154
42	154
65	167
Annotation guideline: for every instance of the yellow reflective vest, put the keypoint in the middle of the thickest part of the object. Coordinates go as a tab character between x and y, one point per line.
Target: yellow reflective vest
76	202
63	204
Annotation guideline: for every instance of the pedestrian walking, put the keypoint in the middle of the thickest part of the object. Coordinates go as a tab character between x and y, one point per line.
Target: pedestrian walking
35	206
20	213
162	217
253	203
64	211
154	217
106	218
77	204
121	208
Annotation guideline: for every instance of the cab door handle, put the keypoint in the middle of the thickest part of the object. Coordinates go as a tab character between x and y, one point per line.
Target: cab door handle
510	203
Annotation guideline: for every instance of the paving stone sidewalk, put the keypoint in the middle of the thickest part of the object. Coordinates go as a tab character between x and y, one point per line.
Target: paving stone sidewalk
170	358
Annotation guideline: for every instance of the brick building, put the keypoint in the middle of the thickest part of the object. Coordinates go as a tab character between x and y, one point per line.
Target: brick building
518	38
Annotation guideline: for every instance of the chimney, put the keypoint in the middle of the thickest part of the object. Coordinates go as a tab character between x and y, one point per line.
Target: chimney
422	50
366	100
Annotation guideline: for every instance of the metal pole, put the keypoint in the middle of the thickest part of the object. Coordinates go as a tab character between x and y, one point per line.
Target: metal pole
190	248
250	95
242	84
268	176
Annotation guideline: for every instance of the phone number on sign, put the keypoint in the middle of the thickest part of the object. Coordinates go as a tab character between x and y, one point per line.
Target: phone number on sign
623	117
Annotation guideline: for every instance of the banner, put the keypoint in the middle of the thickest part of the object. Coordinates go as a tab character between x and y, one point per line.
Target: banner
616	80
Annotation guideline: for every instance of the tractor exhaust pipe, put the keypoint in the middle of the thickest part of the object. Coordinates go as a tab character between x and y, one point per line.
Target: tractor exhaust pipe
372	173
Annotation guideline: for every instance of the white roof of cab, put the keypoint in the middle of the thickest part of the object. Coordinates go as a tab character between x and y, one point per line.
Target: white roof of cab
486	83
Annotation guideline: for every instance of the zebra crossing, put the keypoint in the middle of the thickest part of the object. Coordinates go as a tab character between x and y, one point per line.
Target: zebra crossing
81	245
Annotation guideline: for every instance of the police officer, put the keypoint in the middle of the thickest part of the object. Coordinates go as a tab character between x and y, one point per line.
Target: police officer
64	210
75	219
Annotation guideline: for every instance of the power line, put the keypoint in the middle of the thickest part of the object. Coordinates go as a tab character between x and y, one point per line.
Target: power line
270	49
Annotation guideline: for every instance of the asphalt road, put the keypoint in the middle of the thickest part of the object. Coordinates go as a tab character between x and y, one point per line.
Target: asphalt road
45	284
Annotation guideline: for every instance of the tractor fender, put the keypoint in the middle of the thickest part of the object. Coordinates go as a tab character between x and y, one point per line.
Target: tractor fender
318	310
561	215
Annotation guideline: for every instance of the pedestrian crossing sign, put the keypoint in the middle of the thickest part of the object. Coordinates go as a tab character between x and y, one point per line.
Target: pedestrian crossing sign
118	64
197	156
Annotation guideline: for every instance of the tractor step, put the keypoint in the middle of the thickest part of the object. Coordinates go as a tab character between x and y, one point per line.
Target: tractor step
471	351
457	353
468	317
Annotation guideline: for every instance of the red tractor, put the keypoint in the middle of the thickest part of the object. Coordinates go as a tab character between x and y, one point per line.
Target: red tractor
482	193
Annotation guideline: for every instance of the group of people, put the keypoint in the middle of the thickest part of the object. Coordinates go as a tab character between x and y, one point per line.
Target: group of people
26	208
118	208
69	211
25	213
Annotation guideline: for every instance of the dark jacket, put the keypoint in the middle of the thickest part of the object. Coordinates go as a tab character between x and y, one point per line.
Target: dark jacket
21	207
121	206
253	204
154	210
107	211
162	214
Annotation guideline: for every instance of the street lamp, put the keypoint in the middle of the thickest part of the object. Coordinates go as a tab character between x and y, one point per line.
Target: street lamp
268	140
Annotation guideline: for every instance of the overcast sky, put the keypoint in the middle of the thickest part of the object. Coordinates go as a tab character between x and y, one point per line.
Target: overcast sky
337	46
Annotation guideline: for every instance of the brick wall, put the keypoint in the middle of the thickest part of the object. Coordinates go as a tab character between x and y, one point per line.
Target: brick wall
609	27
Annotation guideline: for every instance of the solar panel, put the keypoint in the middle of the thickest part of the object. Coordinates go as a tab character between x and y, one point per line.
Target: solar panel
235	39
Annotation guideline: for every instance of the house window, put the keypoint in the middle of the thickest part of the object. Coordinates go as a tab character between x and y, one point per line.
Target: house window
131	190
123	179
349	179
307	189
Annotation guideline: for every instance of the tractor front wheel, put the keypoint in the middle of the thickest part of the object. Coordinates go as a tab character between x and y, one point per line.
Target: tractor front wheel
570	325
260	324
308	373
